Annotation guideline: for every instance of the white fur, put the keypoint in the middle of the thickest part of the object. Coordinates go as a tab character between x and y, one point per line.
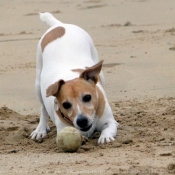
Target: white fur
74	50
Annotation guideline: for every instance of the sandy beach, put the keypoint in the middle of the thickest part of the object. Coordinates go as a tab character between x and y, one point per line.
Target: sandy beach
136	40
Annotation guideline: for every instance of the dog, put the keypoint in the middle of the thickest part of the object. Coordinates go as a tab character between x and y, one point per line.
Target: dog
70	83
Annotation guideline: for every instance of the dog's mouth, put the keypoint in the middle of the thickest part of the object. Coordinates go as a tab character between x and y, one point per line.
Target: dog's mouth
86	129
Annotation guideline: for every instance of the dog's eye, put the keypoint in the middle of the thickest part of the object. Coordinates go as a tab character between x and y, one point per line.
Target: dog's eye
67	105
87	98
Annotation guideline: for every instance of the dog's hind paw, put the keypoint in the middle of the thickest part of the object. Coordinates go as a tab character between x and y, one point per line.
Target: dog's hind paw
39	133
105	139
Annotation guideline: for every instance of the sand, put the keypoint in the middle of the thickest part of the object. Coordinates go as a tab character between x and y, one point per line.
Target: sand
136	38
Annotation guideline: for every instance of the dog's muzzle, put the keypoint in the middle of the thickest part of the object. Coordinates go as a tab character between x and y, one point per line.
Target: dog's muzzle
83	123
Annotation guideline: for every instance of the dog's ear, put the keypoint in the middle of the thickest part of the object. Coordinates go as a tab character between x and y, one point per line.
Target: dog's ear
53	89
91	73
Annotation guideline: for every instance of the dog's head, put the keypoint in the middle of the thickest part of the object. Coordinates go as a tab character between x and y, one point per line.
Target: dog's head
79	100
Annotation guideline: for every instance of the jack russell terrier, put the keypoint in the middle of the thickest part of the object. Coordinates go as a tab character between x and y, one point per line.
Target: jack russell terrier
69	82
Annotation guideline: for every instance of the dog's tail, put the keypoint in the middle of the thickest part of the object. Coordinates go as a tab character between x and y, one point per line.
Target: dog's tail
49	19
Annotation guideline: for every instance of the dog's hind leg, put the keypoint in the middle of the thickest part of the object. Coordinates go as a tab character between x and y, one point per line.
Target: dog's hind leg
43	127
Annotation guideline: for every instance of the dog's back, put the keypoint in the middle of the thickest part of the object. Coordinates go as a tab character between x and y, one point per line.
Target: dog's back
65	47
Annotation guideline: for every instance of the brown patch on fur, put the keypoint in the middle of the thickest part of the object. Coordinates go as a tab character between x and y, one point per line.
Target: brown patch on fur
101	103
57	32
73	91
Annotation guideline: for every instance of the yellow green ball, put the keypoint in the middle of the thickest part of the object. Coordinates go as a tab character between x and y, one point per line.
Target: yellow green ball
69	139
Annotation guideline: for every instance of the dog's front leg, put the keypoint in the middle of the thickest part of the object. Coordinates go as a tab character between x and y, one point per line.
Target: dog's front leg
107	126
42	127
108	132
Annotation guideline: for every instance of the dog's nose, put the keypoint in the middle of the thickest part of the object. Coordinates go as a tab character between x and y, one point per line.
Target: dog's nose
82	121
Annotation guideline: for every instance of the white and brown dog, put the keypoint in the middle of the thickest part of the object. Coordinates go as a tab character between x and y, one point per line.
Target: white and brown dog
69	82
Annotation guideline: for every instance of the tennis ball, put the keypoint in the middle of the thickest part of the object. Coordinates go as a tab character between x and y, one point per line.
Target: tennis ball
69	139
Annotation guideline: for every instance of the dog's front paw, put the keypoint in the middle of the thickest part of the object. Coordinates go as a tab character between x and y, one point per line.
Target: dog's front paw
105	138
40	132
